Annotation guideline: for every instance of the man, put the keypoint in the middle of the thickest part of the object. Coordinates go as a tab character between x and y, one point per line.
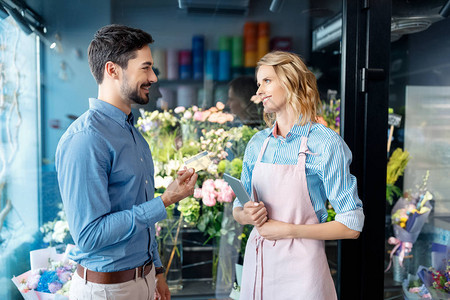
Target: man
105	174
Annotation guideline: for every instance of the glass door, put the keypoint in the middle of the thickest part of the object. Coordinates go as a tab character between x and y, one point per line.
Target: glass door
417	215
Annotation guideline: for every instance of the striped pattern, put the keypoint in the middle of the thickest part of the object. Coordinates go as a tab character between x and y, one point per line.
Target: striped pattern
327	169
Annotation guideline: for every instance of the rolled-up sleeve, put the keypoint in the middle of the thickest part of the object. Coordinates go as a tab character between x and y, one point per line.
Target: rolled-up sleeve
340	186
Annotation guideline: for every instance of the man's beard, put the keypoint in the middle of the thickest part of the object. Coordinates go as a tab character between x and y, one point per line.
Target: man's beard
133	94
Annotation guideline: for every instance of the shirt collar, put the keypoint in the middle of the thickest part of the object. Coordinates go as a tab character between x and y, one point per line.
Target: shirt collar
296	130
111	111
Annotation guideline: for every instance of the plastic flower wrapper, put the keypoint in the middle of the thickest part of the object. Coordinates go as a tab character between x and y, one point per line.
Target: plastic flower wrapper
409	215
437	282
414	289
49	277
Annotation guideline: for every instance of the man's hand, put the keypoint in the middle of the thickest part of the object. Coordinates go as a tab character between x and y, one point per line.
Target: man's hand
181	187
253	213
162	289
275	230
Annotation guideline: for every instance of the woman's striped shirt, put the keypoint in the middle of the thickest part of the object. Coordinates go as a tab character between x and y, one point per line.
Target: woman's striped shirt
327	170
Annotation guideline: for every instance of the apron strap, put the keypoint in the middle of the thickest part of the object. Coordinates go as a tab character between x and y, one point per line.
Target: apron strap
304	147
263	149
309	129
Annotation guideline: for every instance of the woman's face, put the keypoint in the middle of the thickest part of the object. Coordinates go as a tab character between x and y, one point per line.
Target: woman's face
234	102
270	91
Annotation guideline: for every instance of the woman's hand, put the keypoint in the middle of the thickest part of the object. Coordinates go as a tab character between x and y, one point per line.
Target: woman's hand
275	230
253	213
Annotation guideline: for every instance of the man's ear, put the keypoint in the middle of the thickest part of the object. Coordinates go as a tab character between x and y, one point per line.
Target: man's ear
112	70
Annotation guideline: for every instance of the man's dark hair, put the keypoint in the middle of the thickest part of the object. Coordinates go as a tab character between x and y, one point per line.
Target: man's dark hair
116	43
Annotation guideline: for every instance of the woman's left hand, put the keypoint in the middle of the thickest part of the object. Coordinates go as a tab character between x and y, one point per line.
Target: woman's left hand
275	230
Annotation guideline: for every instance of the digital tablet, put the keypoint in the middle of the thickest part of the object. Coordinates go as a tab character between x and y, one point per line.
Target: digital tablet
238	188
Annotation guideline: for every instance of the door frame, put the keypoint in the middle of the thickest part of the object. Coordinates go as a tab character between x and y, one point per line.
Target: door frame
364	105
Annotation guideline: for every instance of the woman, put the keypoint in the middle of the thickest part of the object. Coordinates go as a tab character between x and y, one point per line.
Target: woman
240	91
292	168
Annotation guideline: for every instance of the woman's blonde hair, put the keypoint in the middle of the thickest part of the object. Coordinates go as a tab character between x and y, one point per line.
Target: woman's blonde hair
298	82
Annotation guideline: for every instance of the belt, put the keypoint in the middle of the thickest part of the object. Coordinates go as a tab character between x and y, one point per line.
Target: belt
114	277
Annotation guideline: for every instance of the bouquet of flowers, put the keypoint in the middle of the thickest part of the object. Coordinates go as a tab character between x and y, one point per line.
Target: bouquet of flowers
436	282
409	215
49	277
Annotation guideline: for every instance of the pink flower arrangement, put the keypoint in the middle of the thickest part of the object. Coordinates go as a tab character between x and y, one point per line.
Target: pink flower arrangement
214	191
214	114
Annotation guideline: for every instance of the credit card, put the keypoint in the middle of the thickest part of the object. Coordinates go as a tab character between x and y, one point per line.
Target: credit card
199	162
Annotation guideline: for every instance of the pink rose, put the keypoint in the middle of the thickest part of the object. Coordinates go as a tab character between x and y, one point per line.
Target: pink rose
213	117
209	201
205	115
220	105
179	109
198	116
220	184
197	193
194	108
226	195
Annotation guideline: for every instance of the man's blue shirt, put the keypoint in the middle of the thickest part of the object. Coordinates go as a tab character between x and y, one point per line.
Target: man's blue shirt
105	174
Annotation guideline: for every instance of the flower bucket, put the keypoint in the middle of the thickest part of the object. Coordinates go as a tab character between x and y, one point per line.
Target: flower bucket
400	272
172	252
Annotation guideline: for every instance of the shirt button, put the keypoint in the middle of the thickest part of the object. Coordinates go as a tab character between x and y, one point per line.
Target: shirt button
142	159
146	181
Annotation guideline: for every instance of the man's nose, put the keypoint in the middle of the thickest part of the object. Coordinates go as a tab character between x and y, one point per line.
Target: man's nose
152	77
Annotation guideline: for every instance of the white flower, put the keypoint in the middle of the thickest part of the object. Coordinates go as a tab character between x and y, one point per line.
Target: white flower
172	166
60	231
159	182
163	182
158	166
187	115
212	168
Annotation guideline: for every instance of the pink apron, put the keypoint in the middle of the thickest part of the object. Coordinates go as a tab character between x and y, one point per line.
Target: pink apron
288	268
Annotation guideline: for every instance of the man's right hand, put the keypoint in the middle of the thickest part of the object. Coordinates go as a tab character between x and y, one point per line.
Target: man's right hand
180	188
253	213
